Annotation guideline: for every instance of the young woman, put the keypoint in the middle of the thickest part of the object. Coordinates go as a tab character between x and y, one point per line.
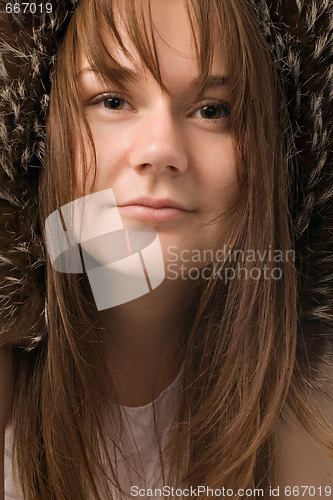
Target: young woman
175	116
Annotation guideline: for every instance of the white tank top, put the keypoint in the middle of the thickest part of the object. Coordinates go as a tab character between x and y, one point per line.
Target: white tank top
143	468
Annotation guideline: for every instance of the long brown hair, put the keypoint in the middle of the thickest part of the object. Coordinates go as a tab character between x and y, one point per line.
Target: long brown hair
240	350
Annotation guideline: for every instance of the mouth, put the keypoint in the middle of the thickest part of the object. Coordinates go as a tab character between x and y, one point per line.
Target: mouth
158	210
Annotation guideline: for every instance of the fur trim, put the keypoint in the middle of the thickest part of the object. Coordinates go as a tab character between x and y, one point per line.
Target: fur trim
27	51
300	35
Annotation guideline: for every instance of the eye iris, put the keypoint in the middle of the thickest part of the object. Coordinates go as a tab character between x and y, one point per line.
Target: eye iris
212	112
114	103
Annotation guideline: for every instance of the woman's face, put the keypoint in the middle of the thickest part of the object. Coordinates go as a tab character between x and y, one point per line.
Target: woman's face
168	156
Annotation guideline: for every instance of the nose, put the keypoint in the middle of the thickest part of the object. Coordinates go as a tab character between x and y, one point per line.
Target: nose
158	144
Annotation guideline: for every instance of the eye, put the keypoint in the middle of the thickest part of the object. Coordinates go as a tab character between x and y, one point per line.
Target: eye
112	102
115	103
213	111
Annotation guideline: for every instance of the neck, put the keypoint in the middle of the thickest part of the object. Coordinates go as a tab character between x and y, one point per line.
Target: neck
144	338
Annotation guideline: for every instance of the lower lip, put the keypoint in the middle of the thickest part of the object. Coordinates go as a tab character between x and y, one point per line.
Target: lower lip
154	214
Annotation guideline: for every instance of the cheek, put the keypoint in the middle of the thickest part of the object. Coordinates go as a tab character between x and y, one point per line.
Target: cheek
110	156
108	153
217	165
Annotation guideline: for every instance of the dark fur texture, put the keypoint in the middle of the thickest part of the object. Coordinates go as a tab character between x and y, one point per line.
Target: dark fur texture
27	52
300	34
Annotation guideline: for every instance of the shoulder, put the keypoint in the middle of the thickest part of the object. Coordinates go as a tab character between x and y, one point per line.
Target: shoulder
300	460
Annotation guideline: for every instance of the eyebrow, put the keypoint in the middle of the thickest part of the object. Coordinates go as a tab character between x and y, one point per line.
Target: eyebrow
212	81
121	73
118	72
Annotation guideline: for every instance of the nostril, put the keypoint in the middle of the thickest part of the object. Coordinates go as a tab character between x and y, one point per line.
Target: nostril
157	156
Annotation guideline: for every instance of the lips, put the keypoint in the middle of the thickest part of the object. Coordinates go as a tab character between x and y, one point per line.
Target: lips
149	209
152	203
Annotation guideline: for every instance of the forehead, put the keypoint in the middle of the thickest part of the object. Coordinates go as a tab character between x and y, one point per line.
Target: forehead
170	37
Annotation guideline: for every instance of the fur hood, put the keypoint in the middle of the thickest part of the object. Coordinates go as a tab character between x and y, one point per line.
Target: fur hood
300	35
